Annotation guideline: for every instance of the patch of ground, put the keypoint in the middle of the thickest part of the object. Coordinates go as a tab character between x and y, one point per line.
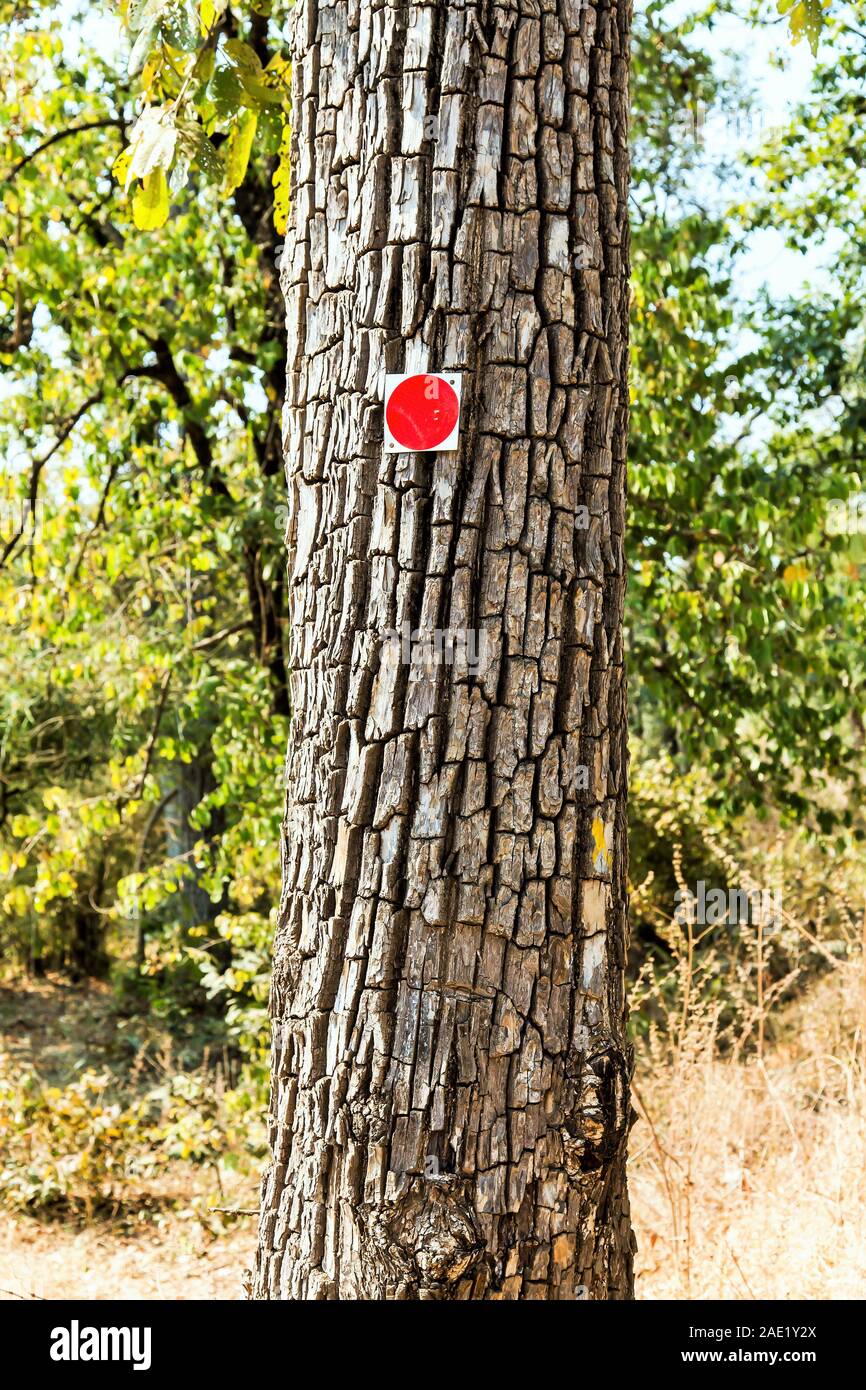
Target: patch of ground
748	1175
52	1025
165	1241
167	1260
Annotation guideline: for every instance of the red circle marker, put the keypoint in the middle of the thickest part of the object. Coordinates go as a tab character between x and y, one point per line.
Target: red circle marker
421	412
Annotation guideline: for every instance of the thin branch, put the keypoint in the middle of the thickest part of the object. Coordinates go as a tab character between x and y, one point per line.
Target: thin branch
151	822
60	135
154	733
139	860
100	518
38	465
217	637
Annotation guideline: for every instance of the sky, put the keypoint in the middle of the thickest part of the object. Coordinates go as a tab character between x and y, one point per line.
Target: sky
779	75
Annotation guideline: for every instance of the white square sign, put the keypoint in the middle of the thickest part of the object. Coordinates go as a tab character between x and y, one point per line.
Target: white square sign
422	412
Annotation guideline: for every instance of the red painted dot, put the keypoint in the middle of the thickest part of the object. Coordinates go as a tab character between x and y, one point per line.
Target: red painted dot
421	412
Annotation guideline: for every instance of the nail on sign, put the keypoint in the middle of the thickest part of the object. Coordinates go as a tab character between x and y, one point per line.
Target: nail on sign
422	412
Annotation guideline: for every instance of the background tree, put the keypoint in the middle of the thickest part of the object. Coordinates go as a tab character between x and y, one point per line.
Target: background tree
144	729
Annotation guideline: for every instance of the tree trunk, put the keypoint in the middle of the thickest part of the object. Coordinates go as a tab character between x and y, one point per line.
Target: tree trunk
450	1104
83	935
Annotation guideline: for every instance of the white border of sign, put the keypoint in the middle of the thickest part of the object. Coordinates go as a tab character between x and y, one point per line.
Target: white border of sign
392	381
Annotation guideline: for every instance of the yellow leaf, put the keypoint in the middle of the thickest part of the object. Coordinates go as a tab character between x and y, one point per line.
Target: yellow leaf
208	14
281	182
279	64
149	73
239	146
792	574
120	167
279	70
150	204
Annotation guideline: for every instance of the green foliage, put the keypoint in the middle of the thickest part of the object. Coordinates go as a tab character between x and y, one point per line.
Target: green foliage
745	624
64	1145
201	84
144	695
82	1148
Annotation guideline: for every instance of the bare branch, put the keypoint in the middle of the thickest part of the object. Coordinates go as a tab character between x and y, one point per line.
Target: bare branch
38	465
60	135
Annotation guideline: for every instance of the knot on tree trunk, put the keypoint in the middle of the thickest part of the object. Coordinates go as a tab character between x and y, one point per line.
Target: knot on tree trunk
597	1127
425	1242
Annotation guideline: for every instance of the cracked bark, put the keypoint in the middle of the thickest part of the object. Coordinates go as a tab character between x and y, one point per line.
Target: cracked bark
449	1107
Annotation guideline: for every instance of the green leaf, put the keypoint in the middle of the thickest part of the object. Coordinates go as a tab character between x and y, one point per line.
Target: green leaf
244	58
266	96
226	92
180	25
195	146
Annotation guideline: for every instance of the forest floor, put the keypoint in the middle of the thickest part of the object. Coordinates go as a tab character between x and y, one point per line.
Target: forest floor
168	1260
748	1175
167	1242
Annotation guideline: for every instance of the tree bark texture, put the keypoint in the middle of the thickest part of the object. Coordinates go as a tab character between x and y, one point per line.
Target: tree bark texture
450	1106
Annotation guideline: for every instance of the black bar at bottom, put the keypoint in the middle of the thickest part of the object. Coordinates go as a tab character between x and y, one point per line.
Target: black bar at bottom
244	1343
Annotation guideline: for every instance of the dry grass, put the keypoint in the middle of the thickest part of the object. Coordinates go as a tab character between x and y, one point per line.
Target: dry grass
174	1259
748	1176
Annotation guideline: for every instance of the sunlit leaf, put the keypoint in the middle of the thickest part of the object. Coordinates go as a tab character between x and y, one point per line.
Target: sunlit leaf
150	204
